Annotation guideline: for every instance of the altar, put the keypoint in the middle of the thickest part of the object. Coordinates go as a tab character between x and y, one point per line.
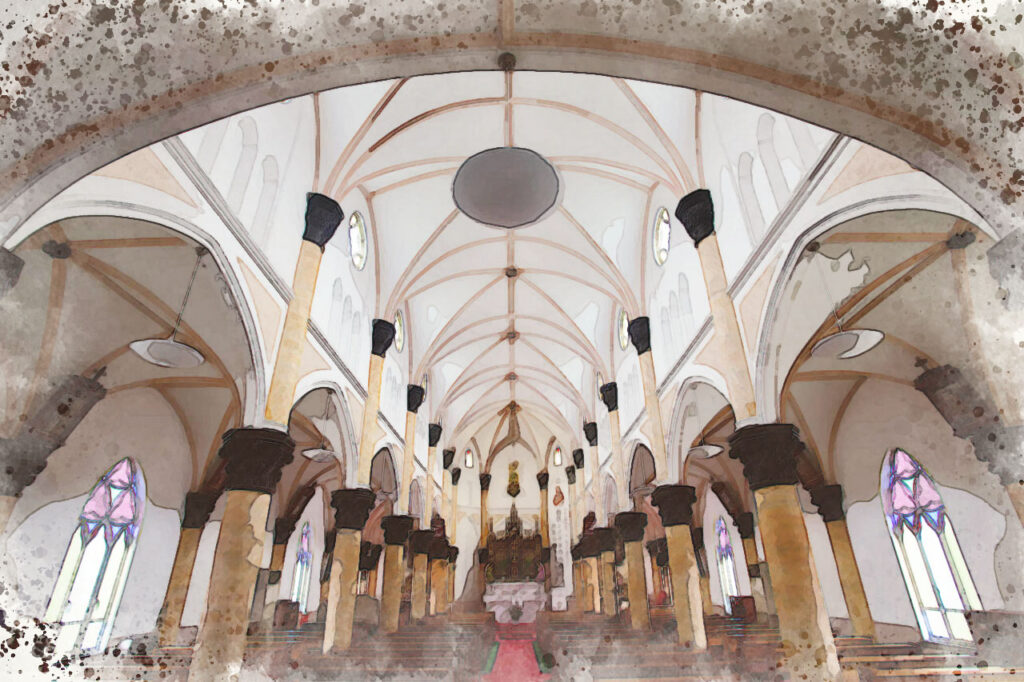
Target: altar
515	602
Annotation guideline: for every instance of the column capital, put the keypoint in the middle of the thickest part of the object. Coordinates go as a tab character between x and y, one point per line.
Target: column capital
590	431
438	548
453	554
570	474
456	475
419	541
604	538
542	480
396	529
658	549
323	215
414	396
369	556
768	453
697	214
631	525
352	507
588	546
640	334
485	482
674	503
745	524
447	457
382	338
434	435
829	501
697	537
198	507
482	556
610	395
574	552
254	458
577	458
283	528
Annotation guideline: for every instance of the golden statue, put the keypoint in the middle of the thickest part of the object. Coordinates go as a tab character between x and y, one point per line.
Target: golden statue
513	478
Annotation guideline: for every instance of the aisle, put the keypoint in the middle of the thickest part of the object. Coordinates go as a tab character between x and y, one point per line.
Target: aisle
517	658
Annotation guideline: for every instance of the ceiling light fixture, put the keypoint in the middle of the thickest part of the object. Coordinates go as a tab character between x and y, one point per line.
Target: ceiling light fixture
506	187
322	453
845	343
171	353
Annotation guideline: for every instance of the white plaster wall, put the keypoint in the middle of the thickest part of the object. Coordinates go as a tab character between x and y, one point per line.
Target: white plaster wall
825	564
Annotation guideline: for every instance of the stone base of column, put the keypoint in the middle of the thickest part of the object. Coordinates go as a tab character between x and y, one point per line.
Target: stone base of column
341	599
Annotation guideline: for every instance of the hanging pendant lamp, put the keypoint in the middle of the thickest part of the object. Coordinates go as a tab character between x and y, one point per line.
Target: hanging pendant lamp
702	449
845	343
171	353
323	453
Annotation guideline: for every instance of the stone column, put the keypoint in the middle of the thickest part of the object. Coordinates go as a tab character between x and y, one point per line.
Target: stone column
631	528
438	554
697	214
485	485
283	529
974	416
610	398
453	558
605	540
396	532
323	215
578	591
453	513
675	506
640	336
383	337
745	525
579	479
419	545
829	500
768	453
447	459
590	433
542	483
352	508
369	561
697	535
590	551
198	506
433	437
658	551
254	459
330	538
413	399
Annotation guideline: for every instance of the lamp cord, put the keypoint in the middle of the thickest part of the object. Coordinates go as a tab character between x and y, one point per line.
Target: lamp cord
188	291
824	283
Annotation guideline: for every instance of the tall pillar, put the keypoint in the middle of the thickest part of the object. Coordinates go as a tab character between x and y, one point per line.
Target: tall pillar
605	540
640	336
579	481
974	416
447	459
453	512
369	561
453	558
590	551
768	453
631	528
745	525
198	506
330	538
438	554
675	506
283	528
590	433
254	459
323	215
383	337
433	438
829	500
658	551
610	398
413	399
578	591
419	545
697	535
485	485
542	483
697	214
352	508
396	532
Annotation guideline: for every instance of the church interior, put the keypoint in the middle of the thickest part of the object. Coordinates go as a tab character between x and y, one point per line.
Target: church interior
497	370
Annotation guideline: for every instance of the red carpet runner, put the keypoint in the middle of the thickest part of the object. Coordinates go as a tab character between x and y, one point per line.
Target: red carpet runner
516	658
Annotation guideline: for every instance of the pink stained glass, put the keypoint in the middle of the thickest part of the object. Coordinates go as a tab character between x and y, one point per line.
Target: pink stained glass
926	494
902	500
123	510
99	502
910	495
121	474
904	465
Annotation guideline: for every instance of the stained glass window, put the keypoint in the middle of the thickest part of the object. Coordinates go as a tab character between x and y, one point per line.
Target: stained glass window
726	563
91	581
934	570
558	456
300	575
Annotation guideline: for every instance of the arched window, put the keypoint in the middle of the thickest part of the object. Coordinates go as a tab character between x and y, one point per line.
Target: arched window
357	242
933	566
95	569
469	458
300	575
726	563
558	456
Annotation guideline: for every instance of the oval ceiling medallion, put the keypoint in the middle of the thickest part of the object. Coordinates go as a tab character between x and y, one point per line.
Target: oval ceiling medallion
506	187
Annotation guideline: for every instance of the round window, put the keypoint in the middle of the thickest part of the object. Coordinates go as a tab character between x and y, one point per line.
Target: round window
399	331
357	240
661	237
623	330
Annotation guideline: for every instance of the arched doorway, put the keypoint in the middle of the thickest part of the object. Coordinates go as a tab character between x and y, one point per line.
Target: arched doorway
641	475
